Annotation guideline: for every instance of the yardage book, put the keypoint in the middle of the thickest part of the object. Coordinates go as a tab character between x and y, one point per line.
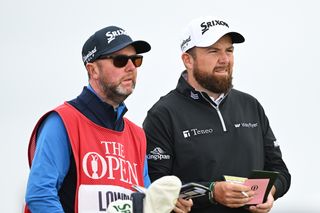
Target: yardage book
259	181
261	174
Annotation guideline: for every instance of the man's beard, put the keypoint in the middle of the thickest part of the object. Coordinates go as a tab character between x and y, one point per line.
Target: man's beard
212	82
115	91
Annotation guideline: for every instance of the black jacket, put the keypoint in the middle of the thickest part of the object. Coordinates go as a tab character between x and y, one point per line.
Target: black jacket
189	136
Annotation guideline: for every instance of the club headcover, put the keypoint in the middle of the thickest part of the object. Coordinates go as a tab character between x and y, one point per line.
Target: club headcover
162	195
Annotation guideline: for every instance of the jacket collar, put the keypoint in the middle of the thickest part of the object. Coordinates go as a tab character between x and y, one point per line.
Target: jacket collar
98	111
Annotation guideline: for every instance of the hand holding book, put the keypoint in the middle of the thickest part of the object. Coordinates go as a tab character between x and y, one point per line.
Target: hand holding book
259	181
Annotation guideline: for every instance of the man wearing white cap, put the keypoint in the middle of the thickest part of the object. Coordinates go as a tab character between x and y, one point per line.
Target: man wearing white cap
205	129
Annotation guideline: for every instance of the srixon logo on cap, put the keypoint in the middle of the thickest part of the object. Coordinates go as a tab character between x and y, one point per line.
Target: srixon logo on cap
206	25
111	35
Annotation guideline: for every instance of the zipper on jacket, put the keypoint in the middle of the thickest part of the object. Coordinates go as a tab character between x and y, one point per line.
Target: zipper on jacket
218	111
221	119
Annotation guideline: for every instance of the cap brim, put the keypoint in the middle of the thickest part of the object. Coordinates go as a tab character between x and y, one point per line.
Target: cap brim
212	38
236	37
140	47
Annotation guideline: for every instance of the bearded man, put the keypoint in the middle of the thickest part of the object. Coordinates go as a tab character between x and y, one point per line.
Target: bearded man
205	129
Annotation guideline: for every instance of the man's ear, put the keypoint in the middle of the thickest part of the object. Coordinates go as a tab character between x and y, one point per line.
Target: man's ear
187	60
93	71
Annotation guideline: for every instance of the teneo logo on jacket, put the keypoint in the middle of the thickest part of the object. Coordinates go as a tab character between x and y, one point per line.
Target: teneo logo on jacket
157	154
194	132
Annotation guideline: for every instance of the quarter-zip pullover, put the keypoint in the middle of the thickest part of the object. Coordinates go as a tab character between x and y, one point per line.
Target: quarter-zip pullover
190	136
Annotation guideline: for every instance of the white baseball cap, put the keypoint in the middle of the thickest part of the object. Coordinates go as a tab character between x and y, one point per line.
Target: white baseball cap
205	31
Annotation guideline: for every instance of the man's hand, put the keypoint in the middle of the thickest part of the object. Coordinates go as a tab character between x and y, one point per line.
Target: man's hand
232	195
183	206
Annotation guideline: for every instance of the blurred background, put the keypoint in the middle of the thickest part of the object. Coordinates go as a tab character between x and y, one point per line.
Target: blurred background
41	66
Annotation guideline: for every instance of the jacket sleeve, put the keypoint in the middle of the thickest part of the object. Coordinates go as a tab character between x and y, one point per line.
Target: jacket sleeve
273	158
159	144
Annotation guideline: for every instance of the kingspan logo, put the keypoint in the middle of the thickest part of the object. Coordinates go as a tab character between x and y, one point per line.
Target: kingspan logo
194	132
158	154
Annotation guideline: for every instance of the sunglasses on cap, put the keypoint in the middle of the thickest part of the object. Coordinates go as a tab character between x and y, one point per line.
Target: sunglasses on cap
122	60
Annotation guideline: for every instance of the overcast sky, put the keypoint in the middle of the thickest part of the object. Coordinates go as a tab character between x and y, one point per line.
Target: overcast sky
41	67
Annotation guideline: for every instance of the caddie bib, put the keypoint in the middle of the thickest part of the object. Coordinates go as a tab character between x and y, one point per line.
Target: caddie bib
108	162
